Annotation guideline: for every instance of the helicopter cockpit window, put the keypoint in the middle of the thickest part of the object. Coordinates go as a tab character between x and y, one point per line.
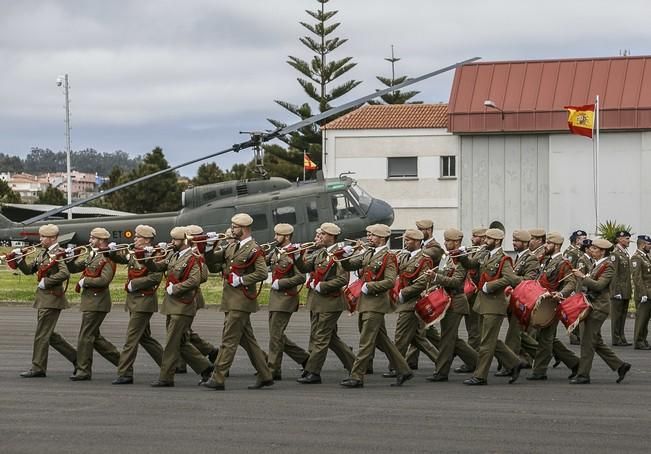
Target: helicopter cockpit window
312	211
226	191
361	196
343	207
260	221
210	195
284	214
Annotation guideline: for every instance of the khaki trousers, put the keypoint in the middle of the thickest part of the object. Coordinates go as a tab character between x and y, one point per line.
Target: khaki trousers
591	343
491	346
410	331
279	343
451	344
138	333
45	336
238	331
90	338
324	336
549	344
618	312
642	315
175	343
472	320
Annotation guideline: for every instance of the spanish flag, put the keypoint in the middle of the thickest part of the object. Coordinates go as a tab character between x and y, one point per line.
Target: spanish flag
308	164
580	119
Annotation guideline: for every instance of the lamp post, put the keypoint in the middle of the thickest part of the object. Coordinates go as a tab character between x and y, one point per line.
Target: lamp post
63	80
491	105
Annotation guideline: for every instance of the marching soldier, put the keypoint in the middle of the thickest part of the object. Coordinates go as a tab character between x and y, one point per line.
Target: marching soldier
585	263
537	242
620	288
496	273
141	302
286	284
597	283
379	272
50	298
452	276
641	271
572	254
97	271
411	281
244	269
325	301
557	278
179	306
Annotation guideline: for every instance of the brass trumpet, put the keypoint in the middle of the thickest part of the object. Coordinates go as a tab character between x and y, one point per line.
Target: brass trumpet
27	250
206	238
78	251
467	251
301	248
123	247
358	245
268	246
163	250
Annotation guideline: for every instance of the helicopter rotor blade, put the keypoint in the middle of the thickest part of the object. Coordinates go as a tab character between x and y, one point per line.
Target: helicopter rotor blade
264	137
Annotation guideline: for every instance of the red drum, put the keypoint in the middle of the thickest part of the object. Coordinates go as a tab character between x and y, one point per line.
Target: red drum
432	307
572	310
352	293
469	287
544	312
524	298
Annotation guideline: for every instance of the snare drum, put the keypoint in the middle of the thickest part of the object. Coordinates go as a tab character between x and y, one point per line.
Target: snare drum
544	312
524	298
432	307
352	293
572	310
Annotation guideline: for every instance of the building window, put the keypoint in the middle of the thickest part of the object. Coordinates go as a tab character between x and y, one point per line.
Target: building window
448	166
285	215
402	167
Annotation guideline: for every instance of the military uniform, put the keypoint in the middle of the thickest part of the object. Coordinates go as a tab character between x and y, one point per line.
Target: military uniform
572	255
472	318
49	300
620	293
242	260
97	273
325	303
641	271
283	302
141	302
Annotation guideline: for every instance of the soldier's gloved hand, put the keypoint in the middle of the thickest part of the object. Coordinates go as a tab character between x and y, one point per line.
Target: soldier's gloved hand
170	289
112	246
41	283
149	250
644	299
162	245
70	251
365	289
211	234
311	285
484	288
81	282
401	297
317	288
348	250
275	285
234	280
129	287
618	296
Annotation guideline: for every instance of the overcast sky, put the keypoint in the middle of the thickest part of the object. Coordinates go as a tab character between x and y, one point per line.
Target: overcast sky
187	76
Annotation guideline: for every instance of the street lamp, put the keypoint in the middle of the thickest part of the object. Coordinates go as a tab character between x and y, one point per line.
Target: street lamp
63	80
491	105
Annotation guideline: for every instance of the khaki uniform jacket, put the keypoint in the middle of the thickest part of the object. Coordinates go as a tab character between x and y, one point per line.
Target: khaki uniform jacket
452	277
137	300
572	255
641	271
95	296
412	289
182	301
621	282
330	298
286	298
480	256
201	302
433	250
244	297
56	280
551	270
378	298
598	286
585	263
494	301
526	266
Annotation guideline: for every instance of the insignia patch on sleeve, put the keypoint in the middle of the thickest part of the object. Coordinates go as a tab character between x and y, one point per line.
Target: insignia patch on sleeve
613	258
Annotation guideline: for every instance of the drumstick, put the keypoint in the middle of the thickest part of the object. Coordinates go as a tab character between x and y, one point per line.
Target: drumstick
569	275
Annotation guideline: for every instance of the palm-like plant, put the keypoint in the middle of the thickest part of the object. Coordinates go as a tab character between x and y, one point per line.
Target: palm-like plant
609	229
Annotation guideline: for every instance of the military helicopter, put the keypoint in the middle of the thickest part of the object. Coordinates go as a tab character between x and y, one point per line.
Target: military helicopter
269	200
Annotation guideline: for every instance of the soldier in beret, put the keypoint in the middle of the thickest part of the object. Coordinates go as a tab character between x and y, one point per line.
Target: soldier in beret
141	302
244	269
286	284
97	271
597	283
620	288
50	298
573	253
537	242
641	271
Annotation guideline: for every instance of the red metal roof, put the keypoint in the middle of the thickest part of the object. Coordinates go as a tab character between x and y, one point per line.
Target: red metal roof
532	94
393	116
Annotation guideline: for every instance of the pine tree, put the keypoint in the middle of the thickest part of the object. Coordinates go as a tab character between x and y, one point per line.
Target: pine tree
397	96
208	173
52	196
7	195
316	79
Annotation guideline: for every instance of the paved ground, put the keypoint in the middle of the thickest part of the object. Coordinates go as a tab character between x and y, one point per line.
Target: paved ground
56	415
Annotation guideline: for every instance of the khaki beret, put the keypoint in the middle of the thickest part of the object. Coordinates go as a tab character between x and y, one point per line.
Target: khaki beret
495	234
537	232
193	229
555	237
602	243
453	234
48	230
380	230
330	228
178	233
479	231
413	234
101	233
283	229
242	219
521	235
145	231
425	224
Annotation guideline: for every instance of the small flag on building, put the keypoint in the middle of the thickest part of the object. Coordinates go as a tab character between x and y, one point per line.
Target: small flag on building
580	119
308	164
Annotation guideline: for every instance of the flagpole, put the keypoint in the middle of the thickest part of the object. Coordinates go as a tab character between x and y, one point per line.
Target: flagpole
596	159
303	165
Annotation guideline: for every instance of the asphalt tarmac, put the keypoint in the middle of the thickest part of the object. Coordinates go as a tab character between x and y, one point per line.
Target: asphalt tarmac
55	415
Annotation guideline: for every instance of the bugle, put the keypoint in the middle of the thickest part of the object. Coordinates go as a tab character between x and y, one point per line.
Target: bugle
293	248
73	254
463	252
358	245
11	257
129	247
268	246
209	237
160	250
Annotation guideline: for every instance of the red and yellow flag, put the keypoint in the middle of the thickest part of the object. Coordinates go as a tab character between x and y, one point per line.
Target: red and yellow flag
580	119
308	164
